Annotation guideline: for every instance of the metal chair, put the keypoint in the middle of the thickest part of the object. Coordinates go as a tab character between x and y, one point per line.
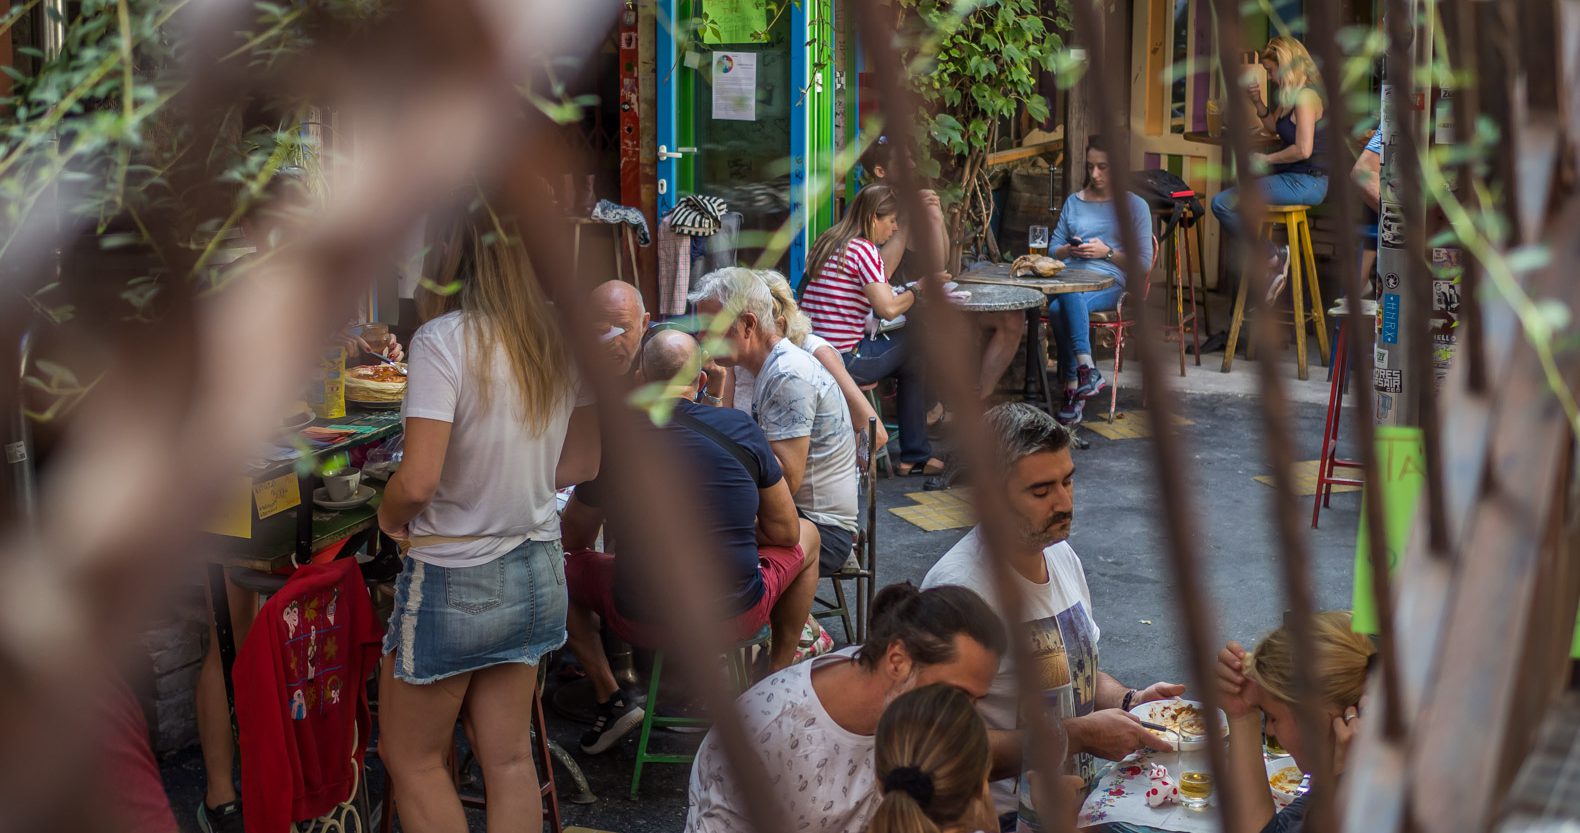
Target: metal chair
1117	323
864	573
740	666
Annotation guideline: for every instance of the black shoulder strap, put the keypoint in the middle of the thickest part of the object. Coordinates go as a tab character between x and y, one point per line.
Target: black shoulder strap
738	451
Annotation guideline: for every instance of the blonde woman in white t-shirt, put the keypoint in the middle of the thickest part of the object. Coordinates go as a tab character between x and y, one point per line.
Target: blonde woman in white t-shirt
493	425
797	329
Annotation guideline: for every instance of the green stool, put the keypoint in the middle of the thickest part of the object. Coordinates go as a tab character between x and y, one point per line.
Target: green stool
739	659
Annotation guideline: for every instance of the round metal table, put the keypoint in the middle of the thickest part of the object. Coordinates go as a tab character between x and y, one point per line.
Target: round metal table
987	297
985	276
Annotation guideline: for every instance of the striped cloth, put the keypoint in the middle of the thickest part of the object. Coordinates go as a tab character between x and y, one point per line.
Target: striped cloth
834	299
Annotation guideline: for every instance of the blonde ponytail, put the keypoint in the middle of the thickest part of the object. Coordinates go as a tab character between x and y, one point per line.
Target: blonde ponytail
932	758
899	813
1341	664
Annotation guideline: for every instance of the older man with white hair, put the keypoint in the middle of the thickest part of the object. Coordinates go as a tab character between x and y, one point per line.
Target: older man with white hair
797	403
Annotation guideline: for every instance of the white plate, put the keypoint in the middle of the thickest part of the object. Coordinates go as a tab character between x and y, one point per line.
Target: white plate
1155	711
364	494
1281	798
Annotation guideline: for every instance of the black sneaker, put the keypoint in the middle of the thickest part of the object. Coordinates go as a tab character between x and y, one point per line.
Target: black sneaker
1070	412
1089	382
615	720
226	818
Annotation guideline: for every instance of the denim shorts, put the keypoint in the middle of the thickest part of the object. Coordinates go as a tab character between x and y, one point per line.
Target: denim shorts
451	620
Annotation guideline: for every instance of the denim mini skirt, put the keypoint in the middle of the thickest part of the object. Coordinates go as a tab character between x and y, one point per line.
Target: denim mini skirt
451	620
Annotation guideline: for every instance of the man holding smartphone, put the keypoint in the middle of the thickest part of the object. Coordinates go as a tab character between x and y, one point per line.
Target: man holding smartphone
1089	241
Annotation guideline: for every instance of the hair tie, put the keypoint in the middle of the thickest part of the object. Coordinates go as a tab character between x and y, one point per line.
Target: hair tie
911	780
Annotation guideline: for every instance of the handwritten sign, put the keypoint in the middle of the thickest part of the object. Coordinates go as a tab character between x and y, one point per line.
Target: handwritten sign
277	495
737	20
1402	461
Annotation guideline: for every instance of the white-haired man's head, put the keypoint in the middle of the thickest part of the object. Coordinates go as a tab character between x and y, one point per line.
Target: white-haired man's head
740	297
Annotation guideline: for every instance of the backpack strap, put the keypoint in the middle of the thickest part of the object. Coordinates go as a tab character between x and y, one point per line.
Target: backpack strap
722	440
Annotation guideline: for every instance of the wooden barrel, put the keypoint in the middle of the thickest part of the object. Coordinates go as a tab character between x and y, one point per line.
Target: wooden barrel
1025	205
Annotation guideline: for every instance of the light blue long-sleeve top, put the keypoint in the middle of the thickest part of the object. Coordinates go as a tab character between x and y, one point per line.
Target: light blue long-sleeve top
1088	219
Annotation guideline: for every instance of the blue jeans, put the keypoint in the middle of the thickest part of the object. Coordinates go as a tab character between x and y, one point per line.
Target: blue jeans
1069	319
890	355
1277	189
451	620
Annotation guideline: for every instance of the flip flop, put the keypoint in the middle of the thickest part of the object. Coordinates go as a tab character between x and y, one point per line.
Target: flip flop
922	470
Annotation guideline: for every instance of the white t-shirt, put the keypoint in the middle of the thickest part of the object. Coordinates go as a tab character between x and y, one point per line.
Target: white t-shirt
498	478
1064	636
797	397
822	775
746	380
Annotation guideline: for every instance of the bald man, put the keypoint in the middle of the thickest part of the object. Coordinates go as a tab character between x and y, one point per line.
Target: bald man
764	555
617	305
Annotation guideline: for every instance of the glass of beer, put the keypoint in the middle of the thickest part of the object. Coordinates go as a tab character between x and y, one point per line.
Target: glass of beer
1195	786
1214	118
1037	240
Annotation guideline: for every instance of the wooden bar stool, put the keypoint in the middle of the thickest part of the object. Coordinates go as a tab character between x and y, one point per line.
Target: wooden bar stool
1330	461
1179	263
624	245
1303	281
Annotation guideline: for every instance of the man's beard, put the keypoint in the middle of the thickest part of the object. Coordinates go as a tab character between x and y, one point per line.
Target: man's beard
1049	533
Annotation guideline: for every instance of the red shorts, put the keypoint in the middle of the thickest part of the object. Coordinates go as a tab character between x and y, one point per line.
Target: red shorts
589	576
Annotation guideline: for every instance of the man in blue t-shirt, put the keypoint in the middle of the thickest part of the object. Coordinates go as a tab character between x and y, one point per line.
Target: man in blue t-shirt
1087	238
766	555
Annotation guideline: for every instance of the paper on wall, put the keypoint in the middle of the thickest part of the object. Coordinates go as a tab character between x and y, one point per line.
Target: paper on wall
735	86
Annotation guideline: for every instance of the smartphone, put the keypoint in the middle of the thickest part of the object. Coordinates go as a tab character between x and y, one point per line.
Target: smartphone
1076	241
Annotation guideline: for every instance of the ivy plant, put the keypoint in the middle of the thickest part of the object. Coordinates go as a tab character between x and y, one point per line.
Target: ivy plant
976	66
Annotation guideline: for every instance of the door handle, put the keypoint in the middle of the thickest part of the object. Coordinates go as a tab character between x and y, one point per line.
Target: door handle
665	153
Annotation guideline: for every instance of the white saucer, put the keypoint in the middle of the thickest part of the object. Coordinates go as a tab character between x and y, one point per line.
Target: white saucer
364	494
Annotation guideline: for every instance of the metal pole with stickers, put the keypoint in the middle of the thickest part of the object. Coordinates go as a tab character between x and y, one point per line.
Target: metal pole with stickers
1418	281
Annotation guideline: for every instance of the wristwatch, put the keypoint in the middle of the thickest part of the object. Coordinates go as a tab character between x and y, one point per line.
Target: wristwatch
1109	256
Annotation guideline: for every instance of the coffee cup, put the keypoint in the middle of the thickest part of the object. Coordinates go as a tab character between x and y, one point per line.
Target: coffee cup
342	485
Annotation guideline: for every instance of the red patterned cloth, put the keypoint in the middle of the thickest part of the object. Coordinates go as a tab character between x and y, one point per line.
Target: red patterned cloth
301	696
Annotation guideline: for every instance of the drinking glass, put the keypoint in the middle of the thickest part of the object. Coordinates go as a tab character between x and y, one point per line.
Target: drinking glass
1037	240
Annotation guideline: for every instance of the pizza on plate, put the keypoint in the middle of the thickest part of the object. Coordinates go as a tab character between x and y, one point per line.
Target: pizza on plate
375	383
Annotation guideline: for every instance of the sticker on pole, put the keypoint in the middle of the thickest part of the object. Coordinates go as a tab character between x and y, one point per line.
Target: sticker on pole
1387	381
1390	319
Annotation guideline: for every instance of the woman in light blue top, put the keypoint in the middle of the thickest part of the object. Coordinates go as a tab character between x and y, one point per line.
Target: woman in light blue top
1088	240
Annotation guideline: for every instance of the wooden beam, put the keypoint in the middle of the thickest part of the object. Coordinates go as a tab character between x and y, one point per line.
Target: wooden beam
1020	154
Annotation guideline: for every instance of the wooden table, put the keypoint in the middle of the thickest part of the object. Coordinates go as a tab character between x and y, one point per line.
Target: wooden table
292	536
1037	390
1259	139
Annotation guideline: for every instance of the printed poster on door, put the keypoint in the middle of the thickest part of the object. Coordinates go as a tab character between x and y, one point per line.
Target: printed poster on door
735	86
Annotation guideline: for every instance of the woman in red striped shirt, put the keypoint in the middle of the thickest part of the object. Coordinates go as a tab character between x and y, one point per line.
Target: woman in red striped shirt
845	284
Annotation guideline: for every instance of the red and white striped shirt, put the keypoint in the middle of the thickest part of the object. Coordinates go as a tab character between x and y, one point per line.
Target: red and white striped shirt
834	299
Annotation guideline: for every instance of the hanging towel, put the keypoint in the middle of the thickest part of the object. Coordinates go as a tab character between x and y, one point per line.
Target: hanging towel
674	268
698	216
614	213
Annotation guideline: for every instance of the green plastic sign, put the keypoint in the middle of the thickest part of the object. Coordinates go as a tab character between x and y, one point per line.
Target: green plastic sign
737	21
1402	462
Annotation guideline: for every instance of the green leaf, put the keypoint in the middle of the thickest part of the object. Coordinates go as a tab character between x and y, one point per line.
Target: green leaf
60	376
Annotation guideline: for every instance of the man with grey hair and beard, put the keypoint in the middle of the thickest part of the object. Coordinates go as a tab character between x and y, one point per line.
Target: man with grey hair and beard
798	404
1055	606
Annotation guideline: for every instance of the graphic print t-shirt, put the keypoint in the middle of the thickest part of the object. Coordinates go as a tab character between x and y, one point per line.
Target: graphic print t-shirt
1064	643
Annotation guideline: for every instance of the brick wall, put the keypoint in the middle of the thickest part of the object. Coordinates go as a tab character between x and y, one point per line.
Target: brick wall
175	644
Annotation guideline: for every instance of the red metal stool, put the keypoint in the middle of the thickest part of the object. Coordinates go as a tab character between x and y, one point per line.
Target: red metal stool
1331	462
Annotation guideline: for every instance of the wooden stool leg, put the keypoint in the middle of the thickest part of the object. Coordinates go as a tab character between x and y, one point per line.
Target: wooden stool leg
551	794
576	252
630	247
1297	297
1234	325
1314	285
1196	310
1201	261
1177	288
